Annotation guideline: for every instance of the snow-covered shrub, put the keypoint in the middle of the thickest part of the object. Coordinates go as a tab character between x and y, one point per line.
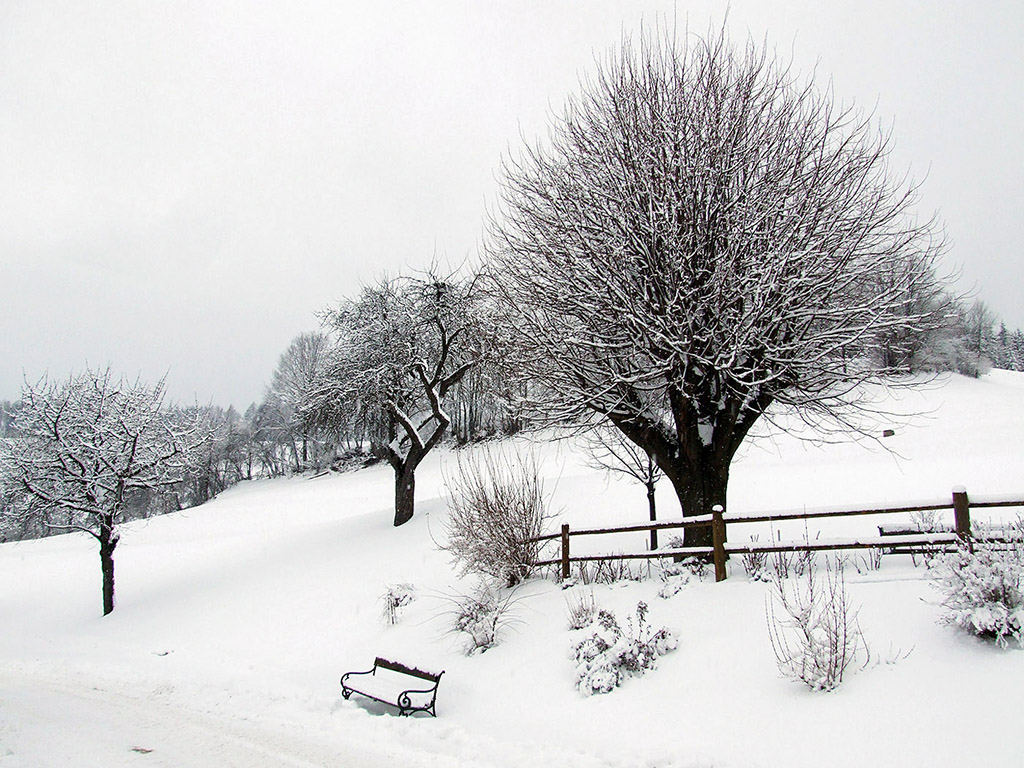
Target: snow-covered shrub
674	542
497	503
677	575
781	565
580	608
697	566
610	571
804	561
812	626
870	561
605	654
481	616
394	599
673	584
927	521
785	564
983	590
755	563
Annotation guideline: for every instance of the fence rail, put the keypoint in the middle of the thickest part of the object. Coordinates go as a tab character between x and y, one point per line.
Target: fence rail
720	549
698	521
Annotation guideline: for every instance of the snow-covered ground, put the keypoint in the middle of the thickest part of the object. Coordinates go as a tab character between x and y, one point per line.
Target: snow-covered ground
235	620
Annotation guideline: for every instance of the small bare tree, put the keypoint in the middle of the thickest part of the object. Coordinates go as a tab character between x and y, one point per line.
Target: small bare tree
612	451
85	446
698	242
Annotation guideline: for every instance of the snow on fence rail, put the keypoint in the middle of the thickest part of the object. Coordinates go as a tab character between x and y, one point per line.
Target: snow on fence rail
720	549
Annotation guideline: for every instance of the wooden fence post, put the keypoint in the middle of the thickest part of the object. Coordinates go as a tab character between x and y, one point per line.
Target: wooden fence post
962	515
565	551
718	539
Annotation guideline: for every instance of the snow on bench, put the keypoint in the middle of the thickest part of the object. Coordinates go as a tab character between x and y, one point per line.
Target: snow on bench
407	688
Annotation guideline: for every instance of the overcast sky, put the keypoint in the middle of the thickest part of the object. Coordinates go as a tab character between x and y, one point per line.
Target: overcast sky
185	184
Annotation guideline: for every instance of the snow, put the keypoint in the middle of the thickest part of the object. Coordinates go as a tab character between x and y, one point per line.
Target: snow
706	430
235	621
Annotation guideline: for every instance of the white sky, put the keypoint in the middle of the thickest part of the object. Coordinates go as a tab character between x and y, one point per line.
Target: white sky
184	184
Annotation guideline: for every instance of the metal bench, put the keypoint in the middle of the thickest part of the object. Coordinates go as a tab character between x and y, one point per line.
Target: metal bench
407	688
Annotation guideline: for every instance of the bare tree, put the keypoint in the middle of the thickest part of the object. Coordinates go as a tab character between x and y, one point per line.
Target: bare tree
7	412
977	323
914	347
612	451
85	446
399	349
293	380
698	240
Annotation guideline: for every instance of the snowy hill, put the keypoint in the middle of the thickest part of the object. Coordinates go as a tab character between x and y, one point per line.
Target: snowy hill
235	620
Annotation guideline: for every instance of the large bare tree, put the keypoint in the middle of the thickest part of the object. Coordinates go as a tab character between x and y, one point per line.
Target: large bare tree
399	348
698	239
87	444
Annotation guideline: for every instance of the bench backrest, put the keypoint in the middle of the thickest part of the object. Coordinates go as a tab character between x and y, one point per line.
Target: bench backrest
395	666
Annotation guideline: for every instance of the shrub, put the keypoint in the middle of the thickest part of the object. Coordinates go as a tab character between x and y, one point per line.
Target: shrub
927	522
984	589
610	571
785	564
606	655
395	598
781	566
580	609
481	616
497	503
812	626
677	575
755	563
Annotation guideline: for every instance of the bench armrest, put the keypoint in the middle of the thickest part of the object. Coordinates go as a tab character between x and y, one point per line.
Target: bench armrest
431	689
350	674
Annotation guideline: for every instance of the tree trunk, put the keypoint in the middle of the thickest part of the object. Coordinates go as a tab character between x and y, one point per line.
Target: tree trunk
108	542
697	467
698	489
405	492
654	515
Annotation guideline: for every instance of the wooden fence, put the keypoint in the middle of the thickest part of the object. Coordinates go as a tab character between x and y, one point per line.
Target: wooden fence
721	549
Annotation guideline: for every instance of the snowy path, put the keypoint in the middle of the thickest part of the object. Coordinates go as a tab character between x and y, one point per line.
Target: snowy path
78	722
44	724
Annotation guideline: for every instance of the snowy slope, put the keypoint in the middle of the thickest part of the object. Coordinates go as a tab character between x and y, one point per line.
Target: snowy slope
235	620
